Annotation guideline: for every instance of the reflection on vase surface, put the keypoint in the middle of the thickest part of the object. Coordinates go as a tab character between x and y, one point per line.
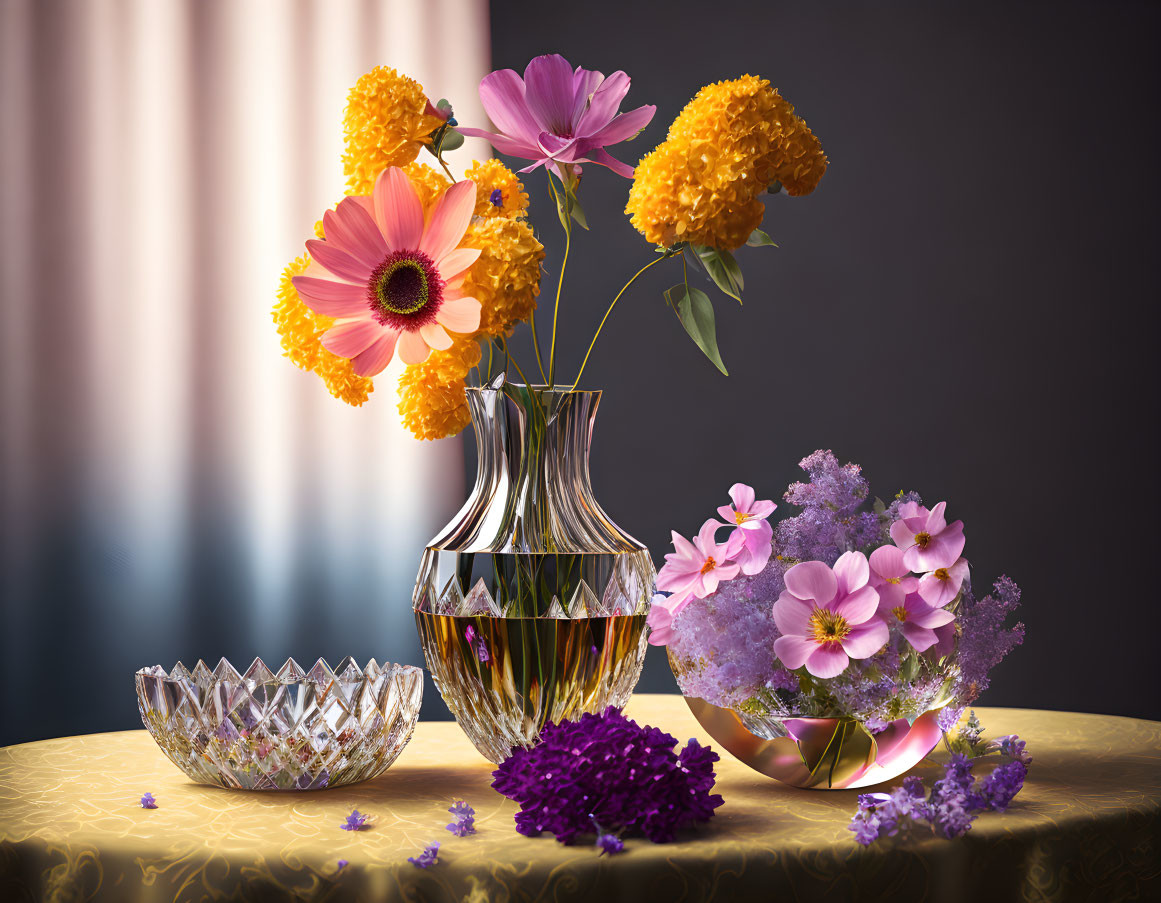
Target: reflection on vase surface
822	753
538	571
505	678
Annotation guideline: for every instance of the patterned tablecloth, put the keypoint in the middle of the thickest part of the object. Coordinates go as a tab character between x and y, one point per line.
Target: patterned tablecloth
1086	827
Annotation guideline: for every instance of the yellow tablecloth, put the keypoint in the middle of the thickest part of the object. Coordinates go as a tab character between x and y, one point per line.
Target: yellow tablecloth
1087	826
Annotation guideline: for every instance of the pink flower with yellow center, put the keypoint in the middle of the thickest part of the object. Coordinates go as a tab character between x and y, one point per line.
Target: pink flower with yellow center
748	518
928	541
696	568
917	620
391	273
891	578
943	584
827	616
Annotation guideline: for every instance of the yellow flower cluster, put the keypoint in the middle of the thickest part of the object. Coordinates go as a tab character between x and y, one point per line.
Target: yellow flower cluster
505	280
702	184
433	398
300	328
386	124
429	183
491	176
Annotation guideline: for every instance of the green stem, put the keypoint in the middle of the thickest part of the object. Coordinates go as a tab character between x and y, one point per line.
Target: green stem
536	346
560	281
580	373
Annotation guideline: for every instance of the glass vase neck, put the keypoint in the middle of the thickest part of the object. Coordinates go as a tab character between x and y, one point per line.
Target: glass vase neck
533	493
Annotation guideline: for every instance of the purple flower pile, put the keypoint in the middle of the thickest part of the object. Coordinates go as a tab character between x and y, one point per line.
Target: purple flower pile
607	770
850	608
148	801
952	804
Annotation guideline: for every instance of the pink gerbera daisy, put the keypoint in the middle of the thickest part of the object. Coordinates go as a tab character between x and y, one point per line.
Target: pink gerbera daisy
391	273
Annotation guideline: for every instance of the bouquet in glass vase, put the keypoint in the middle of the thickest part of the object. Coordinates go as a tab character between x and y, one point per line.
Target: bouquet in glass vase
531	604
833	649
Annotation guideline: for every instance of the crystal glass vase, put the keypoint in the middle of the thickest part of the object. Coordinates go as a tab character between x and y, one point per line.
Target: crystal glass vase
531	603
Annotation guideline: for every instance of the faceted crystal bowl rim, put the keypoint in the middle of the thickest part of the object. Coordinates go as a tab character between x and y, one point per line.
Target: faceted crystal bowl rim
386	667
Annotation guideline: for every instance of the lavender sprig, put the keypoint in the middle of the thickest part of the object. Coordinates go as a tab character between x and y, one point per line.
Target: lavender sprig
952	805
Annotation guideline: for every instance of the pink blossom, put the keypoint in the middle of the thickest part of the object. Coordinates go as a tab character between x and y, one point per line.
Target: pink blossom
828	616
748	518
928	541
696	568
660	620
559	115
943	584
917	620
890	576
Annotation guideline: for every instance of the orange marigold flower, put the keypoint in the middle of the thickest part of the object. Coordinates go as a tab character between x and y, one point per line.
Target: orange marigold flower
506	277
299	328
433	398
702	184
386	124
499	191
429	183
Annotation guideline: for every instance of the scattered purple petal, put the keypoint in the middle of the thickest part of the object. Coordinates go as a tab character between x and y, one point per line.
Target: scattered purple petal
465	819
342	864
148	802
611	844
496	197
356	821
428	858
1014	748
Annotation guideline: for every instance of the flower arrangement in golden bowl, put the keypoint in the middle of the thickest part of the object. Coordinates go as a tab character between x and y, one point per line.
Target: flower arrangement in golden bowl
440	271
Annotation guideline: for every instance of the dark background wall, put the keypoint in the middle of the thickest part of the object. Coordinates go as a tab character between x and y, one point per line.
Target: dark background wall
966	306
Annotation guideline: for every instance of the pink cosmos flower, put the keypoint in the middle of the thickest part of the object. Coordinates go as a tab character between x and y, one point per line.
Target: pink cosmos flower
557	115
389	274
890	576
748	518
696	568
828	616
943	584
917	620
928	541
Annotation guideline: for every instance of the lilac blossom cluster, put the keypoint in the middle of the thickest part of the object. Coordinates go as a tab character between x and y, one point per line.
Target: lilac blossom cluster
951	806
831	521
609	771
856	610
981	642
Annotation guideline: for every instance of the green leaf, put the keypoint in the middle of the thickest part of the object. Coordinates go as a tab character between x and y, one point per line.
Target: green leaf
696	313
567	205
723	269
451	140
758	239
578	212
443	104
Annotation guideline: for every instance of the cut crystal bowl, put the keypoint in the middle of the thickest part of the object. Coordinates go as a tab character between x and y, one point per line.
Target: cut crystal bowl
294	730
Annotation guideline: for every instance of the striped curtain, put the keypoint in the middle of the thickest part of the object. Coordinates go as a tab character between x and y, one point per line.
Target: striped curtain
172	487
